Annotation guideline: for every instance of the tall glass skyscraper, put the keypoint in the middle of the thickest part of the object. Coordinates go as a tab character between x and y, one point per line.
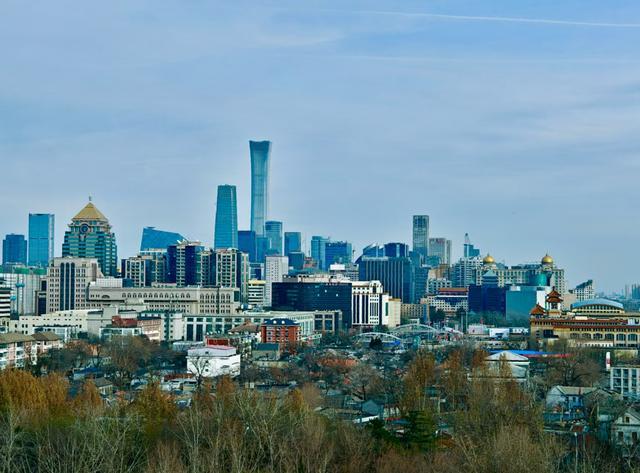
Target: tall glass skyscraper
153	239
41	230
14	249
273	231
90	236
247	244
421	235
226	231
292	242
260	157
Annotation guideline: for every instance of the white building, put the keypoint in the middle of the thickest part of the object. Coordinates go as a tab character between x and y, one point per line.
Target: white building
625	380
213	361
625	431
368	303
256	292
24	284
5	305
67	282
585	291
86	321
276	268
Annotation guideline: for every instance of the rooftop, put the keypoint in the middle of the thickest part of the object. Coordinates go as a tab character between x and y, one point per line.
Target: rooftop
599	301
90	212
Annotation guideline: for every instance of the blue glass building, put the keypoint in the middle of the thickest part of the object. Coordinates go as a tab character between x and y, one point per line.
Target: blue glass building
14	249
292	242
153	239
318	244
337	252
396	250
184	264
247	244
226	231
41	231
260	157
273	231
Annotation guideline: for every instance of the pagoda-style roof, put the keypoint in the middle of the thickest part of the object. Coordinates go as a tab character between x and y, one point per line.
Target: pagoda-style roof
90	212
554	296
537	310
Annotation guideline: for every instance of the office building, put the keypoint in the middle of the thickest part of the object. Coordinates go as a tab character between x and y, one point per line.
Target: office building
135	271
312	293
292	242
90	236
297	260
318	244
421	235
153	239
184	263
67	282
260	156
14	250
396	275
276	268
449	300
370	305
396	250
263	248
487	298
273	232
230	268
469	251
521	299
256	292
337	252
25	284
226	231
585	291
247	243
464	271
41	232
440	248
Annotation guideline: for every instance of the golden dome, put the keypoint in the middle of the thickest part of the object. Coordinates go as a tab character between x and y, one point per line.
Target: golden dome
547	259
488	260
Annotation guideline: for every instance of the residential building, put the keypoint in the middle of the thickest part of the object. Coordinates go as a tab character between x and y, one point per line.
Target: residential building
625	432
421	235
45	341
282	331
41	239
585	291
438	283
67	324
136	271
155	265
153	239
256	292
625	380
14	250
5	305
67	282
16	350
90	236
226	231
276	268
260	157
184	265
25	284
231	269
464	271
213	361
440	248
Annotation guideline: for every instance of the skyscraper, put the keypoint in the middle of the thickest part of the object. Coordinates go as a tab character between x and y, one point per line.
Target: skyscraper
41	230
184	265
226	231
260	157
273	231
470	251
318	245
153	239
292	242
276	267
441	249
90	236
337	252
14	249
247	244
421	235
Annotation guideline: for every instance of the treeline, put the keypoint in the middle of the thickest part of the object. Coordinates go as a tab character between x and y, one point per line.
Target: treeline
495	428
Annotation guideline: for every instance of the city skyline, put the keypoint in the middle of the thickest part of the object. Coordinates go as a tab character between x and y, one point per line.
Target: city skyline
520	132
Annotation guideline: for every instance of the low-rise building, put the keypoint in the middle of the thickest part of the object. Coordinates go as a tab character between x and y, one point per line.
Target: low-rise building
17	350
625	380
46	341
625	430
213	361
282	331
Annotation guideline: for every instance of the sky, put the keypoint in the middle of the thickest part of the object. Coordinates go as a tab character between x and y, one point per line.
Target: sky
518	122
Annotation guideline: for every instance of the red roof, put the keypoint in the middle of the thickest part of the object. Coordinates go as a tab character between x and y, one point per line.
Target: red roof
537	310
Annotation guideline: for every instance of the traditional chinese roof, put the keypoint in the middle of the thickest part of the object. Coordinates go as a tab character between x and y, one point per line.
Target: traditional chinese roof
554	296
90	212
537	310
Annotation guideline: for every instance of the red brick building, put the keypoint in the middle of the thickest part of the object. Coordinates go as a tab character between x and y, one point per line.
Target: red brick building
282	331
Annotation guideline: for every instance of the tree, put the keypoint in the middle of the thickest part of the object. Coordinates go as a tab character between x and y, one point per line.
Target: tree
421	431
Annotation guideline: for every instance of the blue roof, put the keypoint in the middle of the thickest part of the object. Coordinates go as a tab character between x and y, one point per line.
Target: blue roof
589	302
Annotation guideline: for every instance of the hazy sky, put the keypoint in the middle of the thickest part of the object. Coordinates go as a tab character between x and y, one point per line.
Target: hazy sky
518	122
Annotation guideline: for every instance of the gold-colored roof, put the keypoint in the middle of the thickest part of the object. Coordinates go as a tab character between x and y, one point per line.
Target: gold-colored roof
488	260
547	259
90	212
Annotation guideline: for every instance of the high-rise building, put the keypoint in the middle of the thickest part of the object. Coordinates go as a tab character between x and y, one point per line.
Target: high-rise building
226	231
25	283
318	244
585	291
421	235
90	236
396	250
275	268
247	244
441	249
230	268
263	248
184	264
5	304
256	292
340	252
396	275
369	304
292	242
470	251
153	239
260	157
273	231
41	231
14	250
68	281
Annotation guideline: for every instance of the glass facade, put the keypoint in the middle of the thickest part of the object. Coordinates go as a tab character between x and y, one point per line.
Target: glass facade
226	231
292	242
14	249
273	231
421	235
318	244
260	157
247	244
41	231
153	239
337	252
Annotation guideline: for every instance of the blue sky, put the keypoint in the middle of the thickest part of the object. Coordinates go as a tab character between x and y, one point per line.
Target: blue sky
518	122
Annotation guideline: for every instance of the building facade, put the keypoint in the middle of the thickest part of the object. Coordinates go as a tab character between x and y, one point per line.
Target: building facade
90	236
226	230
292	242
275	268
14	250
153	239
421	235
68	280
260	157
41	239
273	232
441	249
